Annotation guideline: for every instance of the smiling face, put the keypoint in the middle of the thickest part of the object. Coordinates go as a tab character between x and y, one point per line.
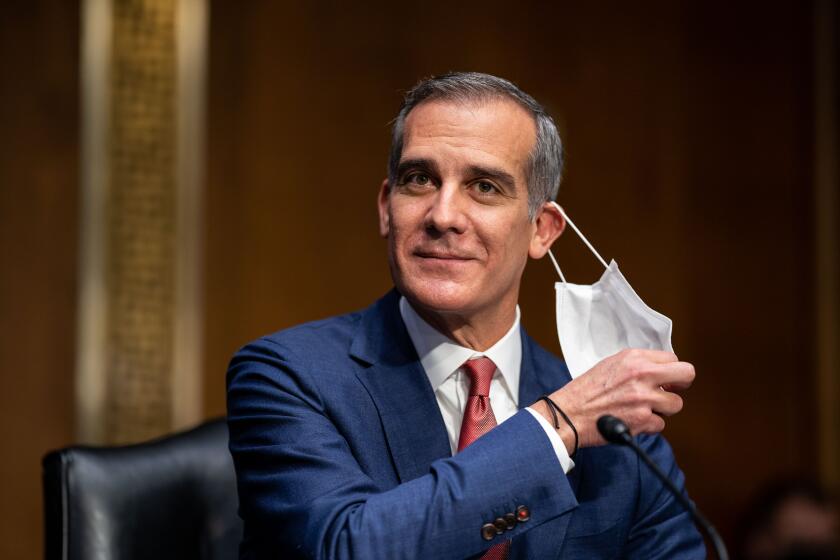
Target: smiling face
456	218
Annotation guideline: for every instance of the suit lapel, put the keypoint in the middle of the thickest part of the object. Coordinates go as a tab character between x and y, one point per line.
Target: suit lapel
537	378
395	380
542	373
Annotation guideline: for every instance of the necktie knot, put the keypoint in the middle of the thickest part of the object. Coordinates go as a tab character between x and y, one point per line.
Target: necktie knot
480	371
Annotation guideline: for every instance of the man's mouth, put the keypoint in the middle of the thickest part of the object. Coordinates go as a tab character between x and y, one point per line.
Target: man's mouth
442	255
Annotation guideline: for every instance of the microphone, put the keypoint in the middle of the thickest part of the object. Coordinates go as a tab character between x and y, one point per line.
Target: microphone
614	430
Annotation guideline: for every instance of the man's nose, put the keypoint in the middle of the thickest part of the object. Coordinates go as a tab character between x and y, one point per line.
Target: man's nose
448	210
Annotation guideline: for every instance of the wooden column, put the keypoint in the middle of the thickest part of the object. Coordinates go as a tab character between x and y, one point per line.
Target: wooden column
138	371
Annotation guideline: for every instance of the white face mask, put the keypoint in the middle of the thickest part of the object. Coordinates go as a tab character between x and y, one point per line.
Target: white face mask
594	322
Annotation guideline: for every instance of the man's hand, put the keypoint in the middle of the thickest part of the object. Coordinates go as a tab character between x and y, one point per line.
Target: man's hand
634	385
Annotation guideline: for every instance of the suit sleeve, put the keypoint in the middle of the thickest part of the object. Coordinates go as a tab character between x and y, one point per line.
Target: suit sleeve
304	495
662	528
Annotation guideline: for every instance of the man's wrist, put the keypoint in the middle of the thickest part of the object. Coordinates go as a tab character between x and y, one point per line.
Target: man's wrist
564	431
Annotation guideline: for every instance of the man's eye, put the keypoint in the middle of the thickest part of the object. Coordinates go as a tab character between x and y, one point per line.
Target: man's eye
484	187
418	179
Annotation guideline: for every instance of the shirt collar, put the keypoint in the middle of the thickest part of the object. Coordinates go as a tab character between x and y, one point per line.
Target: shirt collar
441	356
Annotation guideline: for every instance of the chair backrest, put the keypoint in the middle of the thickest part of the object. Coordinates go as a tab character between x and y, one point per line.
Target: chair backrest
174	497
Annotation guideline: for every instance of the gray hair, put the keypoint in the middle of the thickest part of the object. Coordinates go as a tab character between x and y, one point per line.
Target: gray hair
545	163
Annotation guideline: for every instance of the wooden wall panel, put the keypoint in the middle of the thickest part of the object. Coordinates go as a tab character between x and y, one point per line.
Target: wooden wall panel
38	250
688	134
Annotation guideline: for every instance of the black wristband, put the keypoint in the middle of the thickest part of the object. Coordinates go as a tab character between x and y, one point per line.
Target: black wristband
551	410
568	421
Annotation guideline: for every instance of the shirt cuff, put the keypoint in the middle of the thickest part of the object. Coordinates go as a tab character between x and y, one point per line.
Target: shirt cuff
556	441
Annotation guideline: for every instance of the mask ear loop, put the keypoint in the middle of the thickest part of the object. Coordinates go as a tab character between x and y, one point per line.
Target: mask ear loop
582	238
556	266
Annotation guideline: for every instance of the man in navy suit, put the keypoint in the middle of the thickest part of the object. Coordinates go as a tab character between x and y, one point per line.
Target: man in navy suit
414	428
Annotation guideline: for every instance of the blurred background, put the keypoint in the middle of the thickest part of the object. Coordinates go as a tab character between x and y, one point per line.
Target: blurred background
178	177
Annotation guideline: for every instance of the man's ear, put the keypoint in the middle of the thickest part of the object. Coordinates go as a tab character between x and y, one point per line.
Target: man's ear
548	226
382	204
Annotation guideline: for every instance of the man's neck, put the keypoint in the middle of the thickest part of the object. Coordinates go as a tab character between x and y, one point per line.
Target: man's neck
478	331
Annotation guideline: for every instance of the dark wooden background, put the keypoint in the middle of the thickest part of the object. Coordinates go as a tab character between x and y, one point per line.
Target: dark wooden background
39	224
688	130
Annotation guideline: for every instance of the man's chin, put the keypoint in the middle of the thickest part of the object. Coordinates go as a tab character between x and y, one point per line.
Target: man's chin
440	297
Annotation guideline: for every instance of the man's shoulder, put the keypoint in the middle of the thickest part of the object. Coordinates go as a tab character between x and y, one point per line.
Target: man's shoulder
327	351
288	357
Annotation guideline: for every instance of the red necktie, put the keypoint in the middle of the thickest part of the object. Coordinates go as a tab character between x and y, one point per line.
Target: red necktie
478	420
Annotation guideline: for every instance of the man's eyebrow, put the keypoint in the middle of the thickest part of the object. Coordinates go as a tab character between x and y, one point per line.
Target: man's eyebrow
417	163
503	177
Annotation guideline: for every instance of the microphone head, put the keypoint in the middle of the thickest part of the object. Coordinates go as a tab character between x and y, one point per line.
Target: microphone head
614	430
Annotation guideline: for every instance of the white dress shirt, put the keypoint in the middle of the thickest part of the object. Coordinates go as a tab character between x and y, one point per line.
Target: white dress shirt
442	359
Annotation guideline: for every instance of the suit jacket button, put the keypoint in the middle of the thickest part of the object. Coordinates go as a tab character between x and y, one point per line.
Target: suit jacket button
500	525
488	531
523	514
510	521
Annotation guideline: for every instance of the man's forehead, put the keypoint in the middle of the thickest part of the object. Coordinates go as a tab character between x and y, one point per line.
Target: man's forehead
498	127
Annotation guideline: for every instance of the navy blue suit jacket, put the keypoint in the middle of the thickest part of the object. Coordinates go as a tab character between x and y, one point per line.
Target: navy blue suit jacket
341	452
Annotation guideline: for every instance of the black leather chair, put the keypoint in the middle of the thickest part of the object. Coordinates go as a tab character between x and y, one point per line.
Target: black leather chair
174	497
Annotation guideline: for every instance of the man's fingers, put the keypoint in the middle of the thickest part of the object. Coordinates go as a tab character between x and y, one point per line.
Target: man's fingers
637	385
667	404
675	376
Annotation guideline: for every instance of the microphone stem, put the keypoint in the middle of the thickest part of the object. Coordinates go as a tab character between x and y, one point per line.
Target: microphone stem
699	519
